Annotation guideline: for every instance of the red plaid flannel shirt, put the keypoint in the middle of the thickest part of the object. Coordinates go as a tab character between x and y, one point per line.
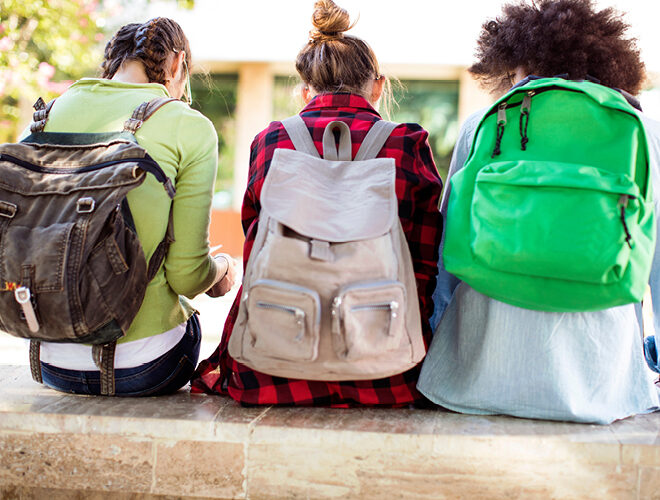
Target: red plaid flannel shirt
418	187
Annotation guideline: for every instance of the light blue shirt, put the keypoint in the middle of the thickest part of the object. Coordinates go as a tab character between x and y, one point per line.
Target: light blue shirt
488	357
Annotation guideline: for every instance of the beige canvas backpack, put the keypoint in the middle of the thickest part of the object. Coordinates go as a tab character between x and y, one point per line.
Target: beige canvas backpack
329	291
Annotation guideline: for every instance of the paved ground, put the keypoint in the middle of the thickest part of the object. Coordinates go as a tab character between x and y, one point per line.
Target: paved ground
14	351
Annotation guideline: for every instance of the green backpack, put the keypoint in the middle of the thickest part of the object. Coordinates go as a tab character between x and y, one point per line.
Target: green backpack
553	210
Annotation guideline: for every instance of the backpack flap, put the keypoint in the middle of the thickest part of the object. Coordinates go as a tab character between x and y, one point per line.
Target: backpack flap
33	169
330	200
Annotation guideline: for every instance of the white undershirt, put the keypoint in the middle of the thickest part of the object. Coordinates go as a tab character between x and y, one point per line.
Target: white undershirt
127	355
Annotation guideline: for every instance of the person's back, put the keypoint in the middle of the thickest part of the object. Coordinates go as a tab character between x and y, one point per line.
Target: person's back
489	357
160	349
345	85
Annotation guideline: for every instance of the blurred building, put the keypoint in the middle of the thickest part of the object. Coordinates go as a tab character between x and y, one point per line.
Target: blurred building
244	55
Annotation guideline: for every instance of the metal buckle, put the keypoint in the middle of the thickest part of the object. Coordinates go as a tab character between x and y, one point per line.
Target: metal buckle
85	205
7	209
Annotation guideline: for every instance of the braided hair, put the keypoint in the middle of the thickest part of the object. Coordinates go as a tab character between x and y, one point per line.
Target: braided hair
150	43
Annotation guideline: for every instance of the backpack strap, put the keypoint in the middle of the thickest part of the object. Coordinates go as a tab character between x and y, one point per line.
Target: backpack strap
35	363
40	116
143	112
299	135
375	140
104	359
160	253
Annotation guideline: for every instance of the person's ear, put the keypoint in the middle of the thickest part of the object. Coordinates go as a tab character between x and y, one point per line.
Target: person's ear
177	63
377	89
307	94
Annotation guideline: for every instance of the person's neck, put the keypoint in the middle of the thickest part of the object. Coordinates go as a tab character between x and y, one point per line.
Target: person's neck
131	72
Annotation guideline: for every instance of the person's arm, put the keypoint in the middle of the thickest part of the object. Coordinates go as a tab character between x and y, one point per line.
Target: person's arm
189	268
446	282
421	220
653	137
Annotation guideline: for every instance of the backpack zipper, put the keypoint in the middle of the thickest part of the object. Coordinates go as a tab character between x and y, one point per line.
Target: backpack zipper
90	168
525	106
293	288
296	312
335	311
392	306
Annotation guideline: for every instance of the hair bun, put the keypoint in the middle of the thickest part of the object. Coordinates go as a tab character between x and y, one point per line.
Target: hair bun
329	20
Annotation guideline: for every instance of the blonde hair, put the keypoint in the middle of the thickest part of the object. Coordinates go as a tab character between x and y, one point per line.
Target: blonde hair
334	62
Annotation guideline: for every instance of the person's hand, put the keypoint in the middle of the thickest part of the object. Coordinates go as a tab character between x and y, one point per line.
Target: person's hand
226	275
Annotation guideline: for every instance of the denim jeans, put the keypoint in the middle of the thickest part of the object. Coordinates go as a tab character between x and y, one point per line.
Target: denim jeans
164	375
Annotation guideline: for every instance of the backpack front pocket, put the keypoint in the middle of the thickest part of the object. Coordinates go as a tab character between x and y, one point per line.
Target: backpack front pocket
368	319
283	320
554	220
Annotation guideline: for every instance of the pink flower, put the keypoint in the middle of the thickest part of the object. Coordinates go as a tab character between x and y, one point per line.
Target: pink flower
58	87
6	44
46	70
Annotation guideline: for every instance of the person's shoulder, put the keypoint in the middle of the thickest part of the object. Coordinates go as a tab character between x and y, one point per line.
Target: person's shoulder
411	132
269	135
189	117
187	126
651	125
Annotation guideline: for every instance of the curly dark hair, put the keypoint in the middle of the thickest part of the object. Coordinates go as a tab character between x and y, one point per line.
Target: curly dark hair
553	37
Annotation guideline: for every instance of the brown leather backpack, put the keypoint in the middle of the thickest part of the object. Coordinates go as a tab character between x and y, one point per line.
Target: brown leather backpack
71	266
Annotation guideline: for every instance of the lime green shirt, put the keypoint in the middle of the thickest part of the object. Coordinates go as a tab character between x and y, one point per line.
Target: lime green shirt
184	143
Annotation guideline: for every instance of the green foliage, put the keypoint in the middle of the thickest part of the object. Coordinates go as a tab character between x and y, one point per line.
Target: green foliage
434	105
43	42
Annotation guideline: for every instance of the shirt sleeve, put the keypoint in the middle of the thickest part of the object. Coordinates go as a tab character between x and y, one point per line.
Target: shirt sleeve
189	268
423	228
446	282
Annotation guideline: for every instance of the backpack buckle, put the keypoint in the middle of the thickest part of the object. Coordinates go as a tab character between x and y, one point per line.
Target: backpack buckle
85	205
23	296
7	209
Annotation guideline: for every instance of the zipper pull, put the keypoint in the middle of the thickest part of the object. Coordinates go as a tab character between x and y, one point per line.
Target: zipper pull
525	108
335	306
623	204
501	123
336	317
22	295
394	308
300	321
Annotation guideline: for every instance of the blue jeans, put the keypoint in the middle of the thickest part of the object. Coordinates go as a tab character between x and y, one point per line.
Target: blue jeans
164	375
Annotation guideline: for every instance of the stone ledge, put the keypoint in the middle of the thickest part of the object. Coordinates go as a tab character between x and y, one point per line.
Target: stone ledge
64	446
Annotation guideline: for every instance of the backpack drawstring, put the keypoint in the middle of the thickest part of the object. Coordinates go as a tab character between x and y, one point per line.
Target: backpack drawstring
524	119
501	123
623	203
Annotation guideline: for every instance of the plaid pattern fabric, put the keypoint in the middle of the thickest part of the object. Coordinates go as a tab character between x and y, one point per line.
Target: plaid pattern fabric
418	187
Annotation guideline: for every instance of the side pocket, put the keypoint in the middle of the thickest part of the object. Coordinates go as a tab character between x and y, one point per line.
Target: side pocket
117	266
368	319
283	320
44	250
